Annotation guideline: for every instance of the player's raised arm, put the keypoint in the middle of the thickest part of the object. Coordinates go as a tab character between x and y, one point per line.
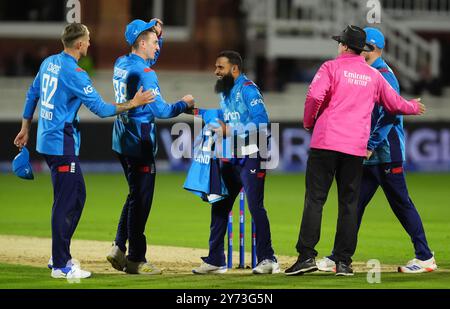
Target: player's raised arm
82	87
395	103
159	31
160	108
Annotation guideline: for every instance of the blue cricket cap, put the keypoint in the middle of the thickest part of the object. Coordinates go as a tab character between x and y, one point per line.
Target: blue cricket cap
135	28
374	37
21	165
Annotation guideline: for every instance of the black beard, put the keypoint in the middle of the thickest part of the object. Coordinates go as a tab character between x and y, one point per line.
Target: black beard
224	84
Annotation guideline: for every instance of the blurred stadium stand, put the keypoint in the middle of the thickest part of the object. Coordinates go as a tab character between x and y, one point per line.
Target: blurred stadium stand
416	33
282	106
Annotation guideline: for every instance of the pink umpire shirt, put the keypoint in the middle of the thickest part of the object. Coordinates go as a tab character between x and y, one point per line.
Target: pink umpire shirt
340	100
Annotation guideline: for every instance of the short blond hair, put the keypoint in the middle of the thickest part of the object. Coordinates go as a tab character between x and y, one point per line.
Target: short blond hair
143	36
72	32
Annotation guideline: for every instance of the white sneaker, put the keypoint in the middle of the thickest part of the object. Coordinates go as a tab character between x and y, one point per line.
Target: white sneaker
117	258
206	268
68	264
416	266
267	267
141	268
72	272
326	264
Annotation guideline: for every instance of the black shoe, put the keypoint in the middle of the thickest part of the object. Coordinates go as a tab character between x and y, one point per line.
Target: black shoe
301	267
343	269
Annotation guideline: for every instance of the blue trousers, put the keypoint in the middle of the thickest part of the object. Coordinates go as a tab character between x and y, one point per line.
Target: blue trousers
251	176
140	174
69	196
391	178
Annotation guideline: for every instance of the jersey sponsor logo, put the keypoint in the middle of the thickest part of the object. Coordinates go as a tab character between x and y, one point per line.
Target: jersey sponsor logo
238	97
232	116
120	73
53	68
357	79
155	91
256	102
147	70
88	89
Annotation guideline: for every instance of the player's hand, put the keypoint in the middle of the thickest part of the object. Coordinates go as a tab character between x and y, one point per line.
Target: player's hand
422	108
191	111
158	27
143	98
189	99
21	139
368	154
223	129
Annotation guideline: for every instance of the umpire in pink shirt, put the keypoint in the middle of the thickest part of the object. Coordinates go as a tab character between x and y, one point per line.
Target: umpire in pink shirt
338	110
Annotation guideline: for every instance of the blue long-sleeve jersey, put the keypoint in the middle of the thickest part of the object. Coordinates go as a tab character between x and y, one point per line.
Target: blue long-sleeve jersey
244	110
204	177
387	138
60	87
131	128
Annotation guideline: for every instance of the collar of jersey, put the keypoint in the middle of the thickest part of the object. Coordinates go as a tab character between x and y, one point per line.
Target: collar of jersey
69	56
350	55
237	83
379	63
137	58
240	79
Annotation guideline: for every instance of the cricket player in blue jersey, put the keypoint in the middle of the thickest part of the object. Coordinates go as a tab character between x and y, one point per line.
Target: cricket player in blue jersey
60	87
244	118
383	168
134	141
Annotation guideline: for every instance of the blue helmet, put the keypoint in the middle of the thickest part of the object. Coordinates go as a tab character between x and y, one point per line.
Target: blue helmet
135	28
375	37
21	165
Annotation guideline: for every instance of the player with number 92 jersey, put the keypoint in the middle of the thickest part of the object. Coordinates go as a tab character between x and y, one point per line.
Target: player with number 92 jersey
61	86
